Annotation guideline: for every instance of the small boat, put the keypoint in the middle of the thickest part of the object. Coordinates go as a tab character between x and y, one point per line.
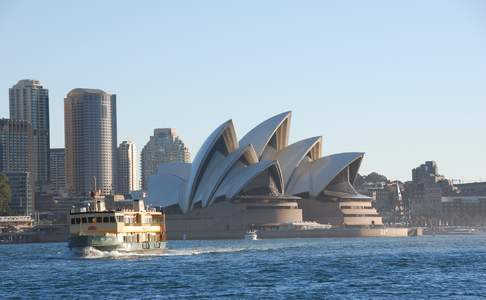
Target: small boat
134	229
251	235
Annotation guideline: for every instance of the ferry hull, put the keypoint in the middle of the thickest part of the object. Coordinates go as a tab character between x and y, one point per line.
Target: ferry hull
112	244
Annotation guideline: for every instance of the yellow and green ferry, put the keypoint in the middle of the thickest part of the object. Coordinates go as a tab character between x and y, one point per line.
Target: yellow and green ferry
135	229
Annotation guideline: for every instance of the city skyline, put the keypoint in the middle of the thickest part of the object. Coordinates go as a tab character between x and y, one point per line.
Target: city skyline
410	92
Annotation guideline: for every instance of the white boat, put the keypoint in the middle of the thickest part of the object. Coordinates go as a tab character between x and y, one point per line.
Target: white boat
251	235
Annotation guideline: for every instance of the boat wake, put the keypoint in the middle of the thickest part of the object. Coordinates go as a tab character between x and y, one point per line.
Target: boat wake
93	253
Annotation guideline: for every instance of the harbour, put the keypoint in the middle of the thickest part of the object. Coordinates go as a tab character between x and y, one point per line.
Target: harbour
423	267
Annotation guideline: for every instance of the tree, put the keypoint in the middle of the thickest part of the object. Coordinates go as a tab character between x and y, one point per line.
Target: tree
5	195
375	177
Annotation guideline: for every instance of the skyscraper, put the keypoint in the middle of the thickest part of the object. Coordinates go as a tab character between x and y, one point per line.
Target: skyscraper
17	161
29	101
57	172
16	146
164	146
90	141
127	177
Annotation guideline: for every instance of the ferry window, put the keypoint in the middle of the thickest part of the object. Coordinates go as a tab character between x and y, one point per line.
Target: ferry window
99	219
91	219
78	220
73	221
106	220
119	219
112	220
84	220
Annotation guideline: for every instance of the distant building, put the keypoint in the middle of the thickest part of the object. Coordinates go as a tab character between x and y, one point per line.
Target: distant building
17	162
91	141
57	172
164	146
425	171
18	222
16	146
387	199
29	101
465	205
127	177
471	189
425	194
464	210
22	189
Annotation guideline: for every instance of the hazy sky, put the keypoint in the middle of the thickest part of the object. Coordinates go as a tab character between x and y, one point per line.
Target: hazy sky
403	81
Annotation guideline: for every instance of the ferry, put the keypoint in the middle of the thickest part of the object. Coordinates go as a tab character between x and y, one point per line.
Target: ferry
251	235
134	229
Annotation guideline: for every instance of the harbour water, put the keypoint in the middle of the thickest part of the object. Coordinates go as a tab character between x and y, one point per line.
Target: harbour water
427	267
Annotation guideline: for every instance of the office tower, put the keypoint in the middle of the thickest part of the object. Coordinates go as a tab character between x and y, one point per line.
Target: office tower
164	146
22	193
16	146
56	172
127	177
29	101
90	141
17	162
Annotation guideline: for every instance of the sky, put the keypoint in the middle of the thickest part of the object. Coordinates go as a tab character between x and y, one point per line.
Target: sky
403	81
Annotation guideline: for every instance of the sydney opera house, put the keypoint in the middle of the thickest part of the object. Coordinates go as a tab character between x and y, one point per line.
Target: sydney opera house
262	182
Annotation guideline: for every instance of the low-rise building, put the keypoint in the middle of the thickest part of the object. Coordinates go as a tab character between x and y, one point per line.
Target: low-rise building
464	210
22	196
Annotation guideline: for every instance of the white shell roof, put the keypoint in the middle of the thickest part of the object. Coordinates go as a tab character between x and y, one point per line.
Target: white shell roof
167	185
225	131
214	177
232	187
314	177
261	135
290	157
222	169
179	169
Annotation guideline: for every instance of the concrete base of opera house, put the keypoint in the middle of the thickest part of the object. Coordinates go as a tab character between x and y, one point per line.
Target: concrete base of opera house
271	216
342	232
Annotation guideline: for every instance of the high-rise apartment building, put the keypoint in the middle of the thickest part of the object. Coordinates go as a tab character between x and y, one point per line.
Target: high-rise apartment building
29	101
57	172
17	162
127	177
164	146
17	146
90	141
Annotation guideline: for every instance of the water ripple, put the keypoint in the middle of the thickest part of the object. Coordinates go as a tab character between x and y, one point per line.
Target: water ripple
450	267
